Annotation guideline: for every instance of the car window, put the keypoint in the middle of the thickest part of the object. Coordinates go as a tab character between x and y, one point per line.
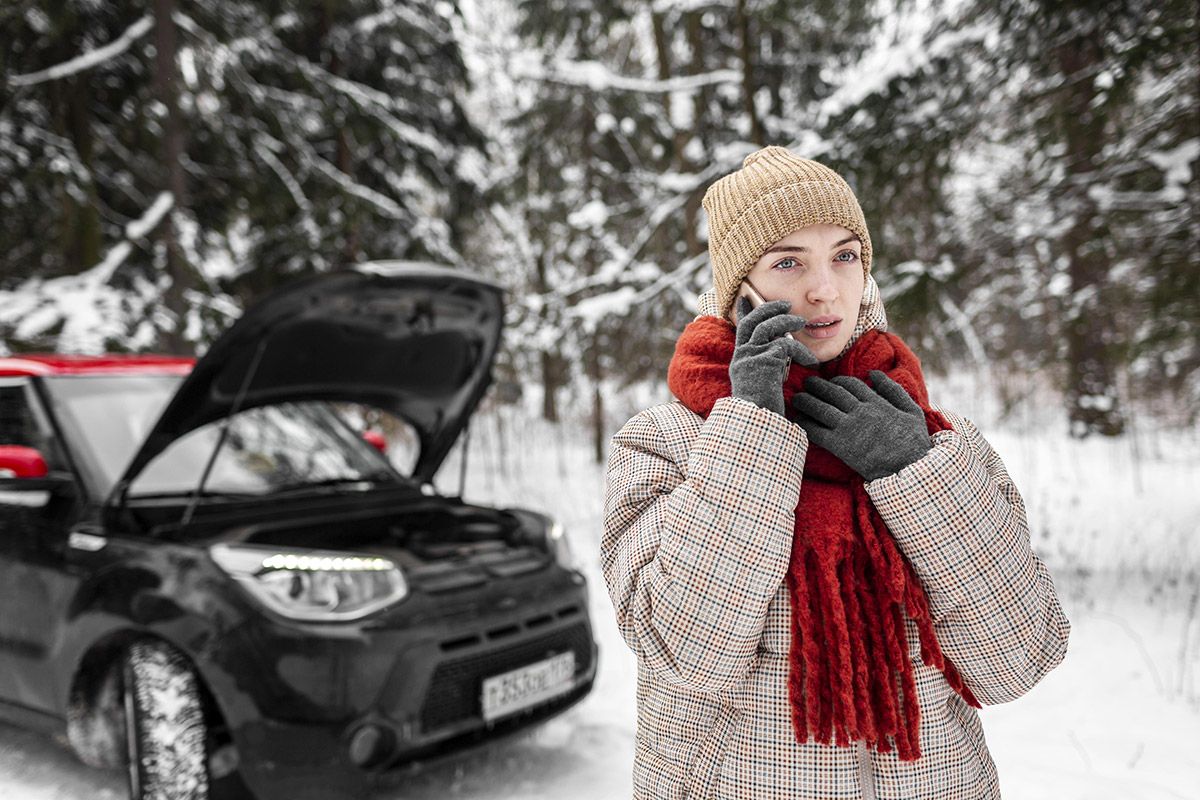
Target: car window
105	419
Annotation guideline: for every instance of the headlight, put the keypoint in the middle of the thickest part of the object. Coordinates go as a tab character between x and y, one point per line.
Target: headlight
560	548
314	585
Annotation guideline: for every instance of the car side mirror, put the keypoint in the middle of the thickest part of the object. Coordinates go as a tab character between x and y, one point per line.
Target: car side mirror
21	462
25	479
376	440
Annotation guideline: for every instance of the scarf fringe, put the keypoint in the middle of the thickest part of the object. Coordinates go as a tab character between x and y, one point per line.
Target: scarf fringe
860	686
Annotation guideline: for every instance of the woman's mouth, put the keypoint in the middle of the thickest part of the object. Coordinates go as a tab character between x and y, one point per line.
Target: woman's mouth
823	330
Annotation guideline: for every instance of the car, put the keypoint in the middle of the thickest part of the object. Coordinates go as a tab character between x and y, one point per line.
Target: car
211	577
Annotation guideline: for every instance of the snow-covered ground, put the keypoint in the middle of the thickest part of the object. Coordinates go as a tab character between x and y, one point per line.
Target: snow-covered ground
1118	522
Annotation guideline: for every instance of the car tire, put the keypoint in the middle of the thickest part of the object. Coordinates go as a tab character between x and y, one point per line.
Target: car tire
166	733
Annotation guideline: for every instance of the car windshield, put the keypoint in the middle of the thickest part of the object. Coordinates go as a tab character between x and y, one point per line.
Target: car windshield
288	446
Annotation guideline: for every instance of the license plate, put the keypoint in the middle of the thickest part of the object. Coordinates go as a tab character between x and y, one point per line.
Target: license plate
527	686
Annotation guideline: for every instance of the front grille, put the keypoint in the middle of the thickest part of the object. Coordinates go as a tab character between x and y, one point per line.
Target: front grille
453	694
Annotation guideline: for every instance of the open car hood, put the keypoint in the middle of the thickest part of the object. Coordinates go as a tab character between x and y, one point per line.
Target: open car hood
412	339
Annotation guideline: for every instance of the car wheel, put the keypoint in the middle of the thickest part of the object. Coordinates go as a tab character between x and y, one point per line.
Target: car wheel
165	728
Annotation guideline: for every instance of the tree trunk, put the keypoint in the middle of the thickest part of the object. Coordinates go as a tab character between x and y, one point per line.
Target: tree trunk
777	72
593	350
691	211
550	370
599	438
551	361
679	161
1091	320
81	239
748	84
166	79
662	47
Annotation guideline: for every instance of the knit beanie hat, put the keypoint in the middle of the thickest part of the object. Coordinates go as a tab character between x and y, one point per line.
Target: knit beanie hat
773	194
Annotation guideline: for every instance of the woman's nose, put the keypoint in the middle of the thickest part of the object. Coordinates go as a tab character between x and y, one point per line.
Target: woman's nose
822	289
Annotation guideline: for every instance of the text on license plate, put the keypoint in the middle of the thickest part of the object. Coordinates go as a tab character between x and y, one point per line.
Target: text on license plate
527	686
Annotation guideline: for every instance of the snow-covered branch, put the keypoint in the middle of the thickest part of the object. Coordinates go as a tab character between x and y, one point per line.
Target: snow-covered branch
149	221
89	59
393	12
289	181
137	229
378	104
263	151
891	60
350	186
598	77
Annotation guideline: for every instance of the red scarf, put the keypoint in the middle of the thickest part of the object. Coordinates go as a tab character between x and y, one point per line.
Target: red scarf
850	586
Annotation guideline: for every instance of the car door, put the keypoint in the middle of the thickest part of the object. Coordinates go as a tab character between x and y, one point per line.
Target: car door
35	517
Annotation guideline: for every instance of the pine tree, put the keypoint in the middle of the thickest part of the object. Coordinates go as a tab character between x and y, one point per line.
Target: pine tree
1029	165
1102	125
292	137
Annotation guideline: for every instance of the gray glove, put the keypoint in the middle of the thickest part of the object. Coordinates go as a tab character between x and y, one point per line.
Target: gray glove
763	354
875	432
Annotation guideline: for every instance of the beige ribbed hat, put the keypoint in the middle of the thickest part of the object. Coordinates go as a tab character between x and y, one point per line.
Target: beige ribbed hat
773	194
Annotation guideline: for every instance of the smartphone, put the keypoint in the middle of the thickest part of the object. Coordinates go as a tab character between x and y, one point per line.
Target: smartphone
748	291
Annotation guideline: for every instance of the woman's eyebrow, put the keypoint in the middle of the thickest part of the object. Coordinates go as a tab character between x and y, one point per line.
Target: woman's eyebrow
793	248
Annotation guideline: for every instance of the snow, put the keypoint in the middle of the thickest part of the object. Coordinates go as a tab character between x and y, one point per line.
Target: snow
1176	163
149	220
681	109
678	182
1117	720
593	309
592	214
90	59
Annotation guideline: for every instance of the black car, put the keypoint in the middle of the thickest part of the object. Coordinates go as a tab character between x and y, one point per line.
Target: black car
209	575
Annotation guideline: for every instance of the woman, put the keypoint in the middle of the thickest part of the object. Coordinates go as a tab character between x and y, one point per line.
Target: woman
822	575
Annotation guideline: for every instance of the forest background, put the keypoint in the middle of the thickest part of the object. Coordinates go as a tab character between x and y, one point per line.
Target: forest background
1028	171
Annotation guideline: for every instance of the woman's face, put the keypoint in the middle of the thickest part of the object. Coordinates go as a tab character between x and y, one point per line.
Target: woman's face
818	269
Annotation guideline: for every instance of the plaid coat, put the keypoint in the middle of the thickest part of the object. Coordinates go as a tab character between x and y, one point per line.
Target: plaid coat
698	520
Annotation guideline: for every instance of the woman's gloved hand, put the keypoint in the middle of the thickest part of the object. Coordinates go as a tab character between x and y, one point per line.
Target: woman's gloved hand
876	432
763	354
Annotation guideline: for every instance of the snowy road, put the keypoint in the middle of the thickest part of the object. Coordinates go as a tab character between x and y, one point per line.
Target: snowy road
1114	722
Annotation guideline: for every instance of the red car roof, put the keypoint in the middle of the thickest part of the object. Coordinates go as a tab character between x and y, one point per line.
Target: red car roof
59	364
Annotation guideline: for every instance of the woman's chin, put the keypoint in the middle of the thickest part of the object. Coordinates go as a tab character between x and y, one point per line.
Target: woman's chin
825	350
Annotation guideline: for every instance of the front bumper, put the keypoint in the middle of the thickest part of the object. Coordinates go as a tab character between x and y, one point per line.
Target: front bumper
298	703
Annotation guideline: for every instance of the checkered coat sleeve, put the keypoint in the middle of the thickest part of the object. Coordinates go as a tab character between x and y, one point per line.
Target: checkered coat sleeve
697	538
960	521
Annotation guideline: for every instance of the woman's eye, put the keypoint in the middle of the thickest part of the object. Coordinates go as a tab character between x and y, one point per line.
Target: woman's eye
786	263
852	256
